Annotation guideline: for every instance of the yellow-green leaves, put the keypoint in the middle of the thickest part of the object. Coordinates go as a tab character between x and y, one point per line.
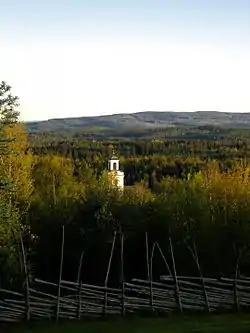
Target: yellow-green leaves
16	163
54	179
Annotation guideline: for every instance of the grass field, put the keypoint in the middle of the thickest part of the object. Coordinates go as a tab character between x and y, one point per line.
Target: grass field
174	324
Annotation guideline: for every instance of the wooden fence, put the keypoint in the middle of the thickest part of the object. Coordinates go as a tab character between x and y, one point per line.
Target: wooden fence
75	300
78	301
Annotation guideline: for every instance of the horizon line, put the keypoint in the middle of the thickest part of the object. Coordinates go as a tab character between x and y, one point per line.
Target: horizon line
128	113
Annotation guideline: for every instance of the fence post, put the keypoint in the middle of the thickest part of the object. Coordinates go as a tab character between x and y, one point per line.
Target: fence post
79	308
122	276
27	291
147	256
177	292
107	276
151	279
236	298
164	259
79	285
196	258
60	278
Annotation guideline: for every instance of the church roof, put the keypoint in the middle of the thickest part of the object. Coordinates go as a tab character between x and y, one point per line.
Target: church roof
114	157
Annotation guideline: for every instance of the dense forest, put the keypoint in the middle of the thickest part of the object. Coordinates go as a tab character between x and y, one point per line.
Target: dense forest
192	188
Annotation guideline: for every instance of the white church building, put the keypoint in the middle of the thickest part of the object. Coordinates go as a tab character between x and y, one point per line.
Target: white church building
115	174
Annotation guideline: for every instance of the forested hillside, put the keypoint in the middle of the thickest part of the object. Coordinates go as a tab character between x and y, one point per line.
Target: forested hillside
195	189
141	124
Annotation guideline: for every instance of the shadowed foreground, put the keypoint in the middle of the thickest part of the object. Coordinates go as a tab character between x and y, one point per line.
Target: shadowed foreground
173	324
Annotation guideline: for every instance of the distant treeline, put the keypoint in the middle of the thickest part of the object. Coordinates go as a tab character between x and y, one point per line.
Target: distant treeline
147	159
176	132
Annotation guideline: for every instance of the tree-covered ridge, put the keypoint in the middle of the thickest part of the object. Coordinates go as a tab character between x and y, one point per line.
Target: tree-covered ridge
141	124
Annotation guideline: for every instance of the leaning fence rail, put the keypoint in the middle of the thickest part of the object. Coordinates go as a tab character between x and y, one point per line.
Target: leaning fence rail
75	300
134	296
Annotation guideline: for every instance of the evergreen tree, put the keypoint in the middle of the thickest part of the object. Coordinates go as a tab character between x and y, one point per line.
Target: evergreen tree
8	115
8	105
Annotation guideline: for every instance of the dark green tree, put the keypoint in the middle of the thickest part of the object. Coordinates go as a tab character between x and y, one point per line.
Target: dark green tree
8	105
8	115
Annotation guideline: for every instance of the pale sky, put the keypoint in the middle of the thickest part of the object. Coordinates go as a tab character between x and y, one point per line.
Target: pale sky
74	58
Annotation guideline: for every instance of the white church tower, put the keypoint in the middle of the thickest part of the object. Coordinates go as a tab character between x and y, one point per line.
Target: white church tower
116	176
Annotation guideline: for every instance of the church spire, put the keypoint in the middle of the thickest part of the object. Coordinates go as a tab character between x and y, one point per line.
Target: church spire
114	162
114	155
116	175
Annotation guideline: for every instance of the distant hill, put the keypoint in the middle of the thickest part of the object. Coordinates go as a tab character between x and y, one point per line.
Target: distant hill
140	121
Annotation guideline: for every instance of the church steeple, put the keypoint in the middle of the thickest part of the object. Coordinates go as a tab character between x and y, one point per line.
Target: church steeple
113	164
116	176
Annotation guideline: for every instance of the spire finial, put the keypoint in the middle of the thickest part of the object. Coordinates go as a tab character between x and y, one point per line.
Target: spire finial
114	155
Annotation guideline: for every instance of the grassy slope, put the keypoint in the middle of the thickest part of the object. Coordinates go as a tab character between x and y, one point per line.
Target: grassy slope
176	324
